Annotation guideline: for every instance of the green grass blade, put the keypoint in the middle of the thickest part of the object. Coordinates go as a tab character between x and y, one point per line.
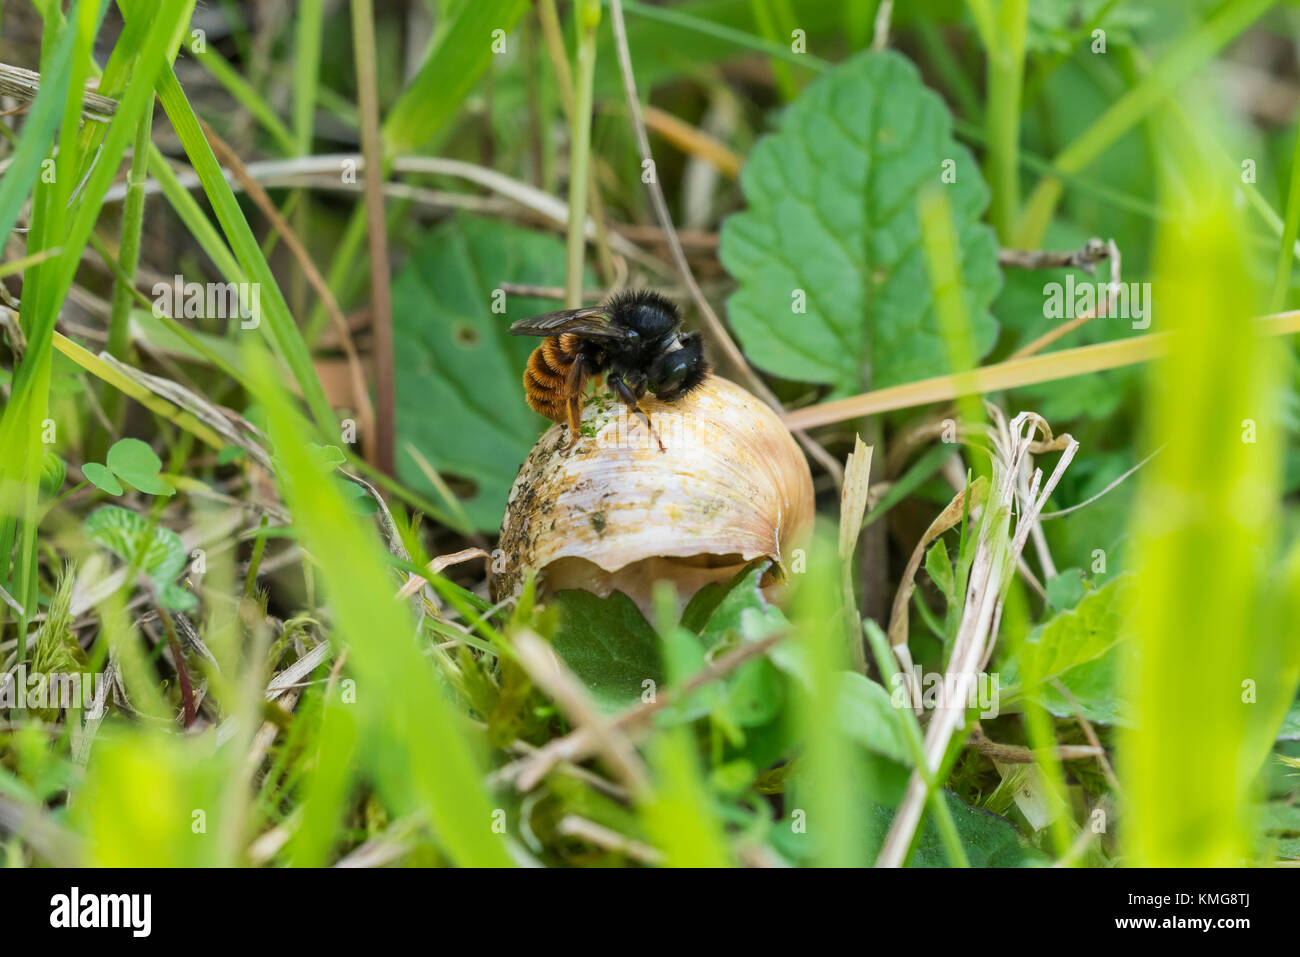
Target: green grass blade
1286	250
279	323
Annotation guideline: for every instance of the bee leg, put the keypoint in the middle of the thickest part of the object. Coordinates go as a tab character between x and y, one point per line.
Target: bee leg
575	420
573	385
620	389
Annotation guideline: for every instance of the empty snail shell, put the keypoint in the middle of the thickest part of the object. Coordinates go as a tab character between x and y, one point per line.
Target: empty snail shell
615	512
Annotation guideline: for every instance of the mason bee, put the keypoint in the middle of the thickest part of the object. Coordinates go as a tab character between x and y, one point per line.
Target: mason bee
634	339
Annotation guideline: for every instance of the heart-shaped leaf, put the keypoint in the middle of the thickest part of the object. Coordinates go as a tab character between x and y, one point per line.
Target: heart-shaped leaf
609	645
132	455
130	461
100	477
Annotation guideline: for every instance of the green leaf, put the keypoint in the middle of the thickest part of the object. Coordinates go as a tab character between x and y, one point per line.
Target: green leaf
132	455
149	484
100	477
158	553
737	612
459	372
1061	26
1066	589
939	567
229	454
988	840
134	463
1079	649
1095	685
53	471
742	611
833	215
330	456
1290	729
608	644
868	716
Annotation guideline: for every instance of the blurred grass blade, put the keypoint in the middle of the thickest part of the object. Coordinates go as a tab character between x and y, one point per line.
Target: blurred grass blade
830	799
1207	512
456	59
1188	54
413	739
38	133
249	98
1006	69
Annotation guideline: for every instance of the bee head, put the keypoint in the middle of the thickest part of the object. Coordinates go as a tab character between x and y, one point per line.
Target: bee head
676	372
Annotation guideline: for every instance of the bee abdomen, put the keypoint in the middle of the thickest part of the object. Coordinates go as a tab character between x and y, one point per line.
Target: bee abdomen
546	377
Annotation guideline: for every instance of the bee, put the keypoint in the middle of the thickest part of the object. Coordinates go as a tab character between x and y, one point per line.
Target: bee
634	339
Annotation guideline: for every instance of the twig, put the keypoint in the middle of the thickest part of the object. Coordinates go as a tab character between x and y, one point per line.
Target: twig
576	771
880	37
571	825
182	670
24	85
392	845
853	506
1015	754
381	301
694	141
550	674
579	744
9	600
587	15
414	582
1011	374
327	166
996	550
1086	258
227	424
547	292
1088	732
1112	291
38	831
1109	488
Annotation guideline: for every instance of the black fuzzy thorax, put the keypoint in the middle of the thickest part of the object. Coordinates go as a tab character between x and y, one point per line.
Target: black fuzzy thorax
654	318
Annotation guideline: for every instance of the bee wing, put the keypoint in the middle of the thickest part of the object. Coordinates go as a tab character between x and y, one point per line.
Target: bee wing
592	322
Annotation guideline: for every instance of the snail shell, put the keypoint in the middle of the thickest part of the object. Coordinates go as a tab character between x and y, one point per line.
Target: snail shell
616	513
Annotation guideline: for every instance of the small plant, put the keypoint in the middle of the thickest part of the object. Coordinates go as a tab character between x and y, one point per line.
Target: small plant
130	461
